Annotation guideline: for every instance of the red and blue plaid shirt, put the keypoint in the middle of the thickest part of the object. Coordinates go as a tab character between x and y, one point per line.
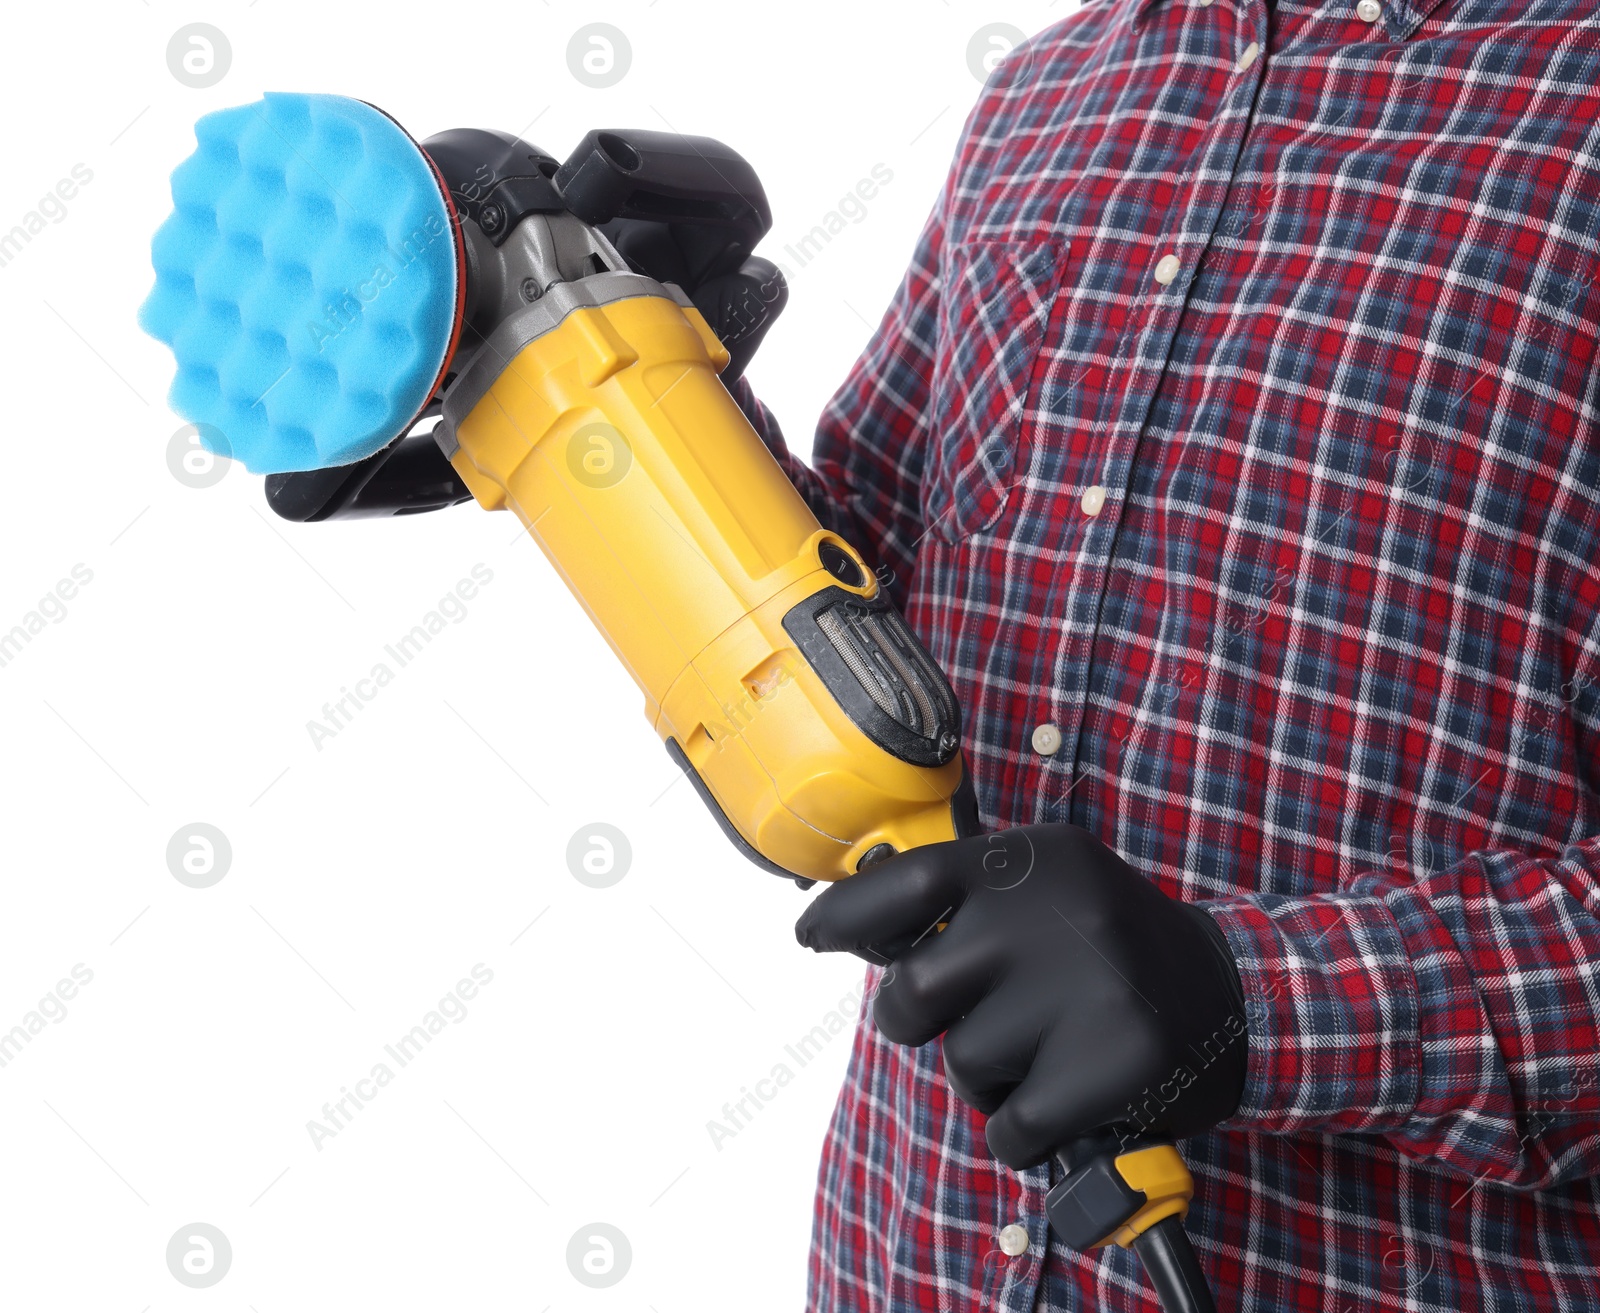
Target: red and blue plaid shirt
1238	418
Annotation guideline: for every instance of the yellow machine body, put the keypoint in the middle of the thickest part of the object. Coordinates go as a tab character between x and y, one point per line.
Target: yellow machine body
612	439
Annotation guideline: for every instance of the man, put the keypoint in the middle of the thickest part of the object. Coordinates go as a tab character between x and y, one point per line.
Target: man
1232	443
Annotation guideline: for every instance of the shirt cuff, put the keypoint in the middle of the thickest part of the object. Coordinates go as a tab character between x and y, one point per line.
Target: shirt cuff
1331	1001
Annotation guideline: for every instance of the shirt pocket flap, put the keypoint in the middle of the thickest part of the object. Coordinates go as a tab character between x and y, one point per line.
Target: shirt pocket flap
994	310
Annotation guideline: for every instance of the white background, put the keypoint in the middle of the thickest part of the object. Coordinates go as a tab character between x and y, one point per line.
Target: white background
430	835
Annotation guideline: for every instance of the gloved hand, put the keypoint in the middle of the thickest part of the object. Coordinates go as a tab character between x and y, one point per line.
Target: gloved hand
740	306
1069	989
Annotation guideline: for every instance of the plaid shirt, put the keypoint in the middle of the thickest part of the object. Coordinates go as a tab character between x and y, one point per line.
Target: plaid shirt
1238	417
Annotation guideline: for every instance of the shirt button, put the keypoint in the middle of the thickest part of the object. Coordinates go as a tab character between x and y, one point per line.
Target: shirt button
1249	55
1167	269
1369	11
1014	1240
1093	500
1046	742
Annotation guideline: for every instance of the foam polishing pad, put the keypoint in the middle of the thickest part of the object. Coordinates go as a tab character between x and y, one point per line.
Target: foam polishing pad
309	282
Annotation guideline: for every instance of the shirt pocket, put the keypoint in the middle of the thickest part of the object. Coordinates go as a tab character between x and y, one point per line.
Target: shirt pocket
993	313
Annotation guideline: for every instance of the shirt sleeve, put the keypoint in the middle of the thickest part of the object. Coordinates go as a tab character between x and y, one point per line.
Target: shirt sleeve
866	477
1456	1014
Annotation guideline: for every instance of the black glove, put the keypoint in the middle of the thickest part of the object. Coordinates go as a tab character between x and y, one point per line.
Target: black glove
739	306
1072	993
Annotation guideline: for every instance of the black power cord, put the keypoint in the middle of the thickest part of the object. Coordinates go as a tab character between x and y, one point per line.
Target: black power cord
1093	1201
1173	1271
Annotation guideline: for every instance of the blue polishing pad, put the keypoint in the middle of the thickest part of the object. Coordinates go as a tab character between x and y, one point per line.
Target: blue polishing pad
306	281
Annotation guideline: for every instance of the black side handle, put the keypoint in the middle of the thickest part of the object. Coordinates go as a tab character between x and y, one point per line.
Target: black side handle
405	478
707	191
